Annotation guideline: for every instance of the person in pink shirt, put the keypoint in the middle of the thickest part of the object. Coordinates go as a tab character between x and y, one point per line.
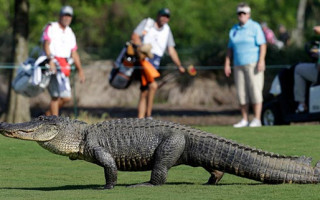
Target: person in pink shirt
59	44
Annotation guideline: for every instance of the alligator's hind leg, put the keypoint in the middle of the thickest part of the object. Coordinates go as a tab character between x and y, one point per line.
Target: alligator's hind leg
215	177
167	155
110	169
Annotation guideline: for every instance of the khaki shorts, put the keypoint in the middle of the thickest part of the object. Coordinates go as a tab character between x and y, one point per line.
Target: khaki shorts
249	84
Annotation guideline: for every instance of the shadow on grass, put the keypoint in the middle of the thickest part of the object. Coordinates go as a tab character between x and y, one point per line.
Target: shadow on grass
65	187
100	187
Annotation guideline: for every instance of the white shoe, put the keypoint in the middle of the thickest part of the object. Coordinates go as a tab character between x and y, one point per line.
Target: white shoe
242	123
301	108
255	123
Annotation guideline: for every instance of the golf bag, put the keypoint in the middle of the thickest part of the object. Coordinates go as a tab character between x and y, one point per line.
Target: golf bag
32	77
121	74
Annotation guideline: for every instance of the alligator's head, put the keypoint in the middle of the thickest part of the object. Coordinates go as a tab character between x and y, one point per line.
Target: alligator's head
57	134
39	129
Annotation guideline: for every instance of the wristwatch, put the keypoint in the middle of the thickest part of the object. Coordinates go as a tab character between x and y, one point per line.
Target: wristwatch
51	57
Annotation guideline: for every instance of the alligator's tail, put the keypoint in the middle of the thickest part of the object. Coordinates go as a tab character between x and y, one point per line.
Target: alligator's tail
212	152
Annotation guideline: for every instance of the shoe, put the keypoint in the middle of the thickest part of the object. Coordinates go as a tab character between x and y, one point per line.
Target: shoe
301	108
242	123
255	123
149	117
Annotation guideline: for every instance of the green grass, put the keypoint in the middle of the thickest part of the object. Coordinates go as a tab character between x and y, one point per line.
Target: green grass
29	172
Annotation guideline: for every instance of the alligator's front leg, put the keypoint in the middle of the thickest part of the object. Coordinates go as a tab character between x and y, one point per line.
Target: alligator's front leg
110	169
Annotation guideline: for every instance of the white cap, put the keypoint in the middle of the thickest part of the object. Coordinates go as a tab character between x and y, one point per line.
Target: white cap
245	9
66	10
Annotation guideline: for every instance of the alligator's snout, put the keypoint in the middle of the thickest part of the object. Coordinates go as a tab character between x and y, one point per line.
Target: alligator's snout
2	125
7	129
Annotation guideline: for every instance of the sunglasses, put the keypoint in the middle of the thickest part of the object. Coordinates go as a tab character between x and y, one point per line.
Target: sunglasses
167	16
241	13
67	15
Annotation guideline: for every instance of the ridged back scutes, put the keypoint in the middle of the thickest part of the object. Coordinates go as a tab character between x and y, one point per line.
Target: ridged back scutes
137	123
193	132
318	164
213	137
317	169
214	152
132	142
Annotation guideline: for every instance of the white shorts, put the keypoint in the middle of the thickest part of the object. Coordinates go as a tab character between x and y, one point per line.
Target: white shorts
59	86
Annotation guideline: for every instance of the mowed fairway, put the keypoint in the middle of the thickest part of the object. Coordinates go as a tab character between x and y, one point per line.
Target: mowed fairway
29	172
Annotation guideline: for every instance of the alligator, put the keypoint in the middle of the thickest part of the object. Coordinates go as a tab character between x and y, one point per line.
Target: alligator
147	144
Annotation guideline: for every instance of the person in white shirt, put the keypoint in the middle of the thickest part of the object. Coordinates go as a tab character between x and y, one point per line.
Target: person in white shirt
59	44
158	34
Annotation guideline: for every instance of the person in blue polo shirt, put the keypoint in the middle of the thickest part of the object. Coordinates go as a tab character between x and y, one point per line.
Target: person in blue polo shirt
247	46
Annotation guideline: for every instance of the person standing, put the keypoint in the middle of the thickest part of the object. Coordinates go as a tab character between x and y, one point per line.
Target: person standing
59	44
158	34
247	46
284	36
271	37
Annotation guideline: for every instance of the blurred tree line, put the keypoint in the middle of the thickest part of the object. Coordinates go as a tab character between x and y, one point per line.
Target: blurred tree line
200	27
102	27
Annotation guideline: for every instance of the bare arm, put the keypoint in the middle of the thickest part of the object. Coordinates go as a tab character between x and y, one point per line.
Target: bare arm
75	56
227	67
316	29
48	54
175	58
135	38
46	48
262	63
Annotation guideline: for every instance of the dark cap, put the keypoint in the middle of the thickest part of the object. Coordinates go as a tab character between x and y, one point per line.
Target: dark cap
66	10
164	11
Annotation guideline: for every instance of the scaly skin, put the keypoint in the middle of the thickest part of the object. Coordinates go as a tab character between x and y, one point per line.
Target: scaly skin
141	144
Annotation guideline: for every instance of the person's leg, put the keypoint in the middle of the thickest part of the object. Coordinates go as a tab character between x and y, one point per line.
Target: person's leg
303	72
239	79
256	121
142	104
54	106
60	94
240	83
255	80
53	89
63	101
257	109
64	92
152	91
244	111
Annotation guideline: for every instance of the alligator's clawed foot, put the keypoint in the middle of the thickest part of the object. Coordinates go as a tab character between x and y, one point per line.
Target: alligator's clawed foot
108	187
141	185
210	183
215	177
